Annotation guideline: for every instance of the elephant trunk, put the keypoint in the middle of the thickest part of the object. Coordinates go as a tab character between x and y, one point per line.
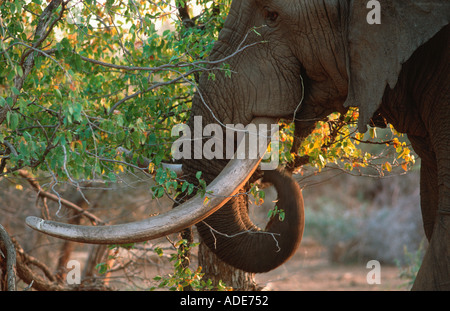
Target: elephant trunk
232	236
229	232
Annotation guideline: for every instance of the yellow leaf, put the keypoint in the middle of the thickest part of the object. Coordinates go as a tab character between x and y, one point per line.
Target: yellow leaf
396	143
388	166
151	167
405	153
19	187
206	200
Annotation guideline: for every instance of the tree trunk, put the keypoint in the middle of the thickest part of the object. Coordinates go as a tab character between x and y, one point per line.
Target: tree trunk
218	271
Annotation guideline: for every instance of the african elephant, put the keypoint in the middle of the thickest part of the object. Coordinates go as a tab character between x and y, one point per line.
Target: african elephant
305	60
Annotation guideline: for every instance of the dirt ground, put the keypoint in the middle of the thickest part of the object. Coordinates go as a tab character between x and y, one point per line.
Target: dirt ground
310	270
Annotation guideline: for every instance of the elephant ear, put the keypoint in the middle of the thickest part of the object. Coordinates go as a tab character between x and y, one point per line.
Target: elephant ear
376	52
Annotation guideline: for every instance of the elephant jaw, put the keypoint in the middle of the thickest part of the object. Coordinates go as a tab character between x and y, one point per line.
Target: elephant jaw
219	191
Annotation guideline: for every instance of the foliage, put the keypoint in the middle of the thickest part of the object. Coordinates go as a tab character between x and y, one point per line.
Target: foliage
80	79
183	277
276	212
336	141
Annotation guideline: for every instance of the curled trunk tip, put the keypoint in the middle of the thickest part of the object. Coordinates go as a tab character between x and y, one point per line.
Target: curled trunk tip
232	236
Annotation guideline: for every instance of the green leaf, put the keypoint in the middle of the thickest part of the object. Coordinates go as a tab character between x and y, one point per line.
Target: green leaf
19	71
160	192
102	267
58	94
15	90
282	215
190	188
112	177
14	121
184	186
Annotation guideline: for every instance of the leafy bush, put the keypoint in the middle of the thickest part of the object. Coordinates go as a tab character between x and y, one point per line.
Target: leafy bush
183	277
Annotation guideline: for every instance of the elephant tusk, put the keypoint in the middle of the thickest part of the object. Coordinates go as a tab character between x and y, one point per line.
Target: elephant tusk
219	191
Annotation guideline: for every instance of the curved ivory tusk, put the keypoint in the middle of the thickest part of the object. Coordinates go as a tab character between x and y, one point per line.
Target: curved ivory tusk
227	184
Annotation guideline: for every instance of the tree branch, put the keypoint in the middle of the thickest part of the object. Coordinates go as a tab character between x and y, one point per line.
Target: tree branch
10	259
42	193
183	12
36	281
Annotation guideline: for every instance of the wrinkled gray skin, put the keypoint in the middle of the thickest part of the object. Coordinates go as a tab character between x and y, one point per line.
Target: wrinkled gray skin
326	52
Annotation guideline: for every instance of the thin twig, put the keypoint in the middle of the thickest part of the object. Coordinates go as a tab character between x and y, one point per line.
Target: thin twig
42	193
241	233
48	56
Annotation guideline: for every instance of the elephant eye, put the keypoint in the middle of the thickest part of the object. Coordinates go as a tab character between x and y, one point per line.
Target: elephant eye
270	15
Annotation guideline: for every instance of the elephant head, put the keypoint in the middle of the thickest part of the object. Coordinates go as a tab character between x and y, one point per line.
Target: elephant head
298	60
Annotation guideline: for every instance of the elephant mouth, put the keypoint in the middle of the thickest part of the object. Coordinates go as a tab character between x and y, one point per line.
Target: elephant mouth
219	191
